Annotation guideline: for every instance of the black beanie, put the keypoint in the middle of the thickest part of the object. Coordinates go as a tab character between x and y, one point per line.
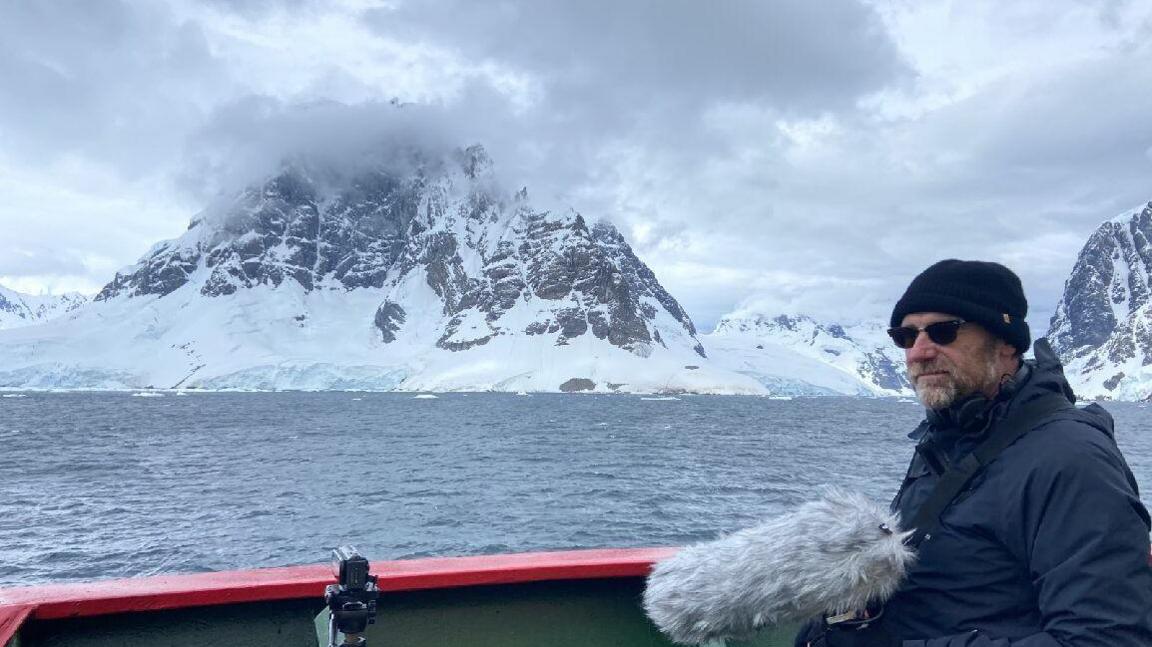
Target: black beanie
986	293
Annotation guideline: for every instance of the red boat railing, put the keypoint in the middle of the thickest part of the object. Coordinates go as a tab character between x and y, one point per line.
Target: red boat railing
51	601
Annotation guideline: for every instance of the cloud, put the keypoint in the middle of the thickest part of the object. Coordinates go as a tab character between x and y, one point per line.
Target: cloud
606	56
126	82
790	155
593	82
1018	167
250	138
113	81
40	260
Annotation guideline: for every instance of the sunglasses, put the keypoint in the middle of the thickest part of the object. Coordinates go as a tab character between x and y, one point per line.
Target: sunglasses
941	332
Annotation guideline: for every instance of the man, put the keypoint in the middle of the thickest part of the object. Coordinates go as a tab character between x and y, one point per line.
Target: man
1047	545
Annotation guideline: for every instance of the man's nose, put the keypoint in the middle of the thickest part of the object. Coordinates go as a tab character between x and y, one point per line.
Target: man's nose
922	350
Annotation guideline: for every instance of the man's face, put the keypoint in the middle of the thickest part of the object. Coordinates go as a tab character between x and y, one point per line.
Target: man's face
944	374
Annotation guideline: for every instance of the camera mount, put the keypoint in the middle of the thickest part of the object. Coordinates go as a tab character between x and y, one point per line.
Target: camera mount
352	600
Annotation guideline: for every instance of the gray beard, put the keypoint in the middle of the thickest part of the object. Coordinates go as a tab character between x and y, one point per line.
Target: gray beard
938	397
942	396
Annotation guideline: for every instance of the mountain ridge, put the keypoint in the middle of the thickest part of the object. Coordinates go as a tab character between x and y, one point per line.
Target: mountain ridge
18	309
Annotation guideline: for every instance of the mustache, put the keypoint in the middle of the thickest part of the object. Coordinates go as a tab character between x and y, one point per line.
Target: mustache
936	365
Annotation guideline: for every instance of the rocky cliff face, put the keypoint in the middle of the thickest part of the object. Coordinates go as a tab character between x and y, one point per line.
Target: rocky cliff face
444	223
776	348
18	309
1102	326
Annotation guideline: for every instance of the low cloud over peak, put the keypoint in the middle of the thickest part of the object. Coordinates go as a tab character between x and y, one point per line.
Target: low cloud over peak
795	155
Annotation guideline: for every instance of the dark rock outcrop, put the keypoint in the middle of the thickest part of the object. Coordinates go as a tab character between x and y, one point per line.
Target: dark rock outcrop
578	384
389	318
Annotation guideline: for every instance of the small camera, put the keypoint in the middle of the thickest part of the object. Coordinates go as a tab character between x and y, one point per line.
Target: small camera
350	568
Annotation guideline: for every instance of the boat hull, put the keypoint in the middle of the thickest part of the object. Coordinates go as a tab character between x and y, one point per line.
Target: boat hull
576	598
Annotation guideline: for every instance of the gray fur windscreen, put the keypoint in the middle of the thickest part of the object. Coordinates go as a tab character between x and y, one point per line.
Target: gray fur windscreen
828	556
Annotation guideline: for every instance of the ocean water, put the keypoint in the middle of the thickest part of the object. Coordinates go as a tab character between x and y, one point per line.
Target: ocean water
108	485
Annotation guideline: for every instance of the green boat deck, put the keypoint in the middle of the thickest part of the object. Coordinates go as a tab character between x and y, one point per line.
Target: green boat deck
566	613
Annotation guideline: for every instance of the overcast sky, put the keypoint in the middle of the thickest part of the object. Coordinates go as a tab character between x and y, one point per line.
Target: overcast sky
771	155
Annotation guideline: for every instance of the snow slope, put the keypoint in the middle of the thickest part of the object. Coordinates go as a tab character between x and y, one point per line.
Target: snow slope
289	338
797	355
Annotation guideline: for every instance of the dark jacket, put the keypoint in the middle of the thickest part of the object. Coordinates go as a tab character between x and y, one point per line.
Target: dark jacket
1047	547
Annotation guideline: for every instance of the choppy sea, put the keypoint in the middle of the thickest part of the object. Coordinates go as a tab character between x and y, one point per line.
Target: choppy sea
109	485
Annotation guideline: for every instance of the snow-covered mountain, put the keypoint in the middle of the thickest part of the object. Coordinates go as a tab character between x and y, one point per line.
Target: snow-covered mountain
18	309
1102	326
416	274
795	354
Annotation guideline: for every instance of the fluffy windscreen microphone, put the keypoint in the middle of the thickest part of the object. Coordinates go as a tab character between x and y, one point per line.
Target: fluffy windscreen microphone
830	556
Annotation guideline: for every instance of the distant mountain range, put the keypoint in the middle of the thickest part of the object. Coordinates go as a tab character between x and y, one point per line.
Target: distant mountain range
423	273
797	355
17	309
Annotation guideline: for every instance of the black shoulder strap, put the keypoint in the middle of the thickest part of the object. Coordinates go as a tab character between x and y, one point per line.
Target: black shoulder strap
1004	432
